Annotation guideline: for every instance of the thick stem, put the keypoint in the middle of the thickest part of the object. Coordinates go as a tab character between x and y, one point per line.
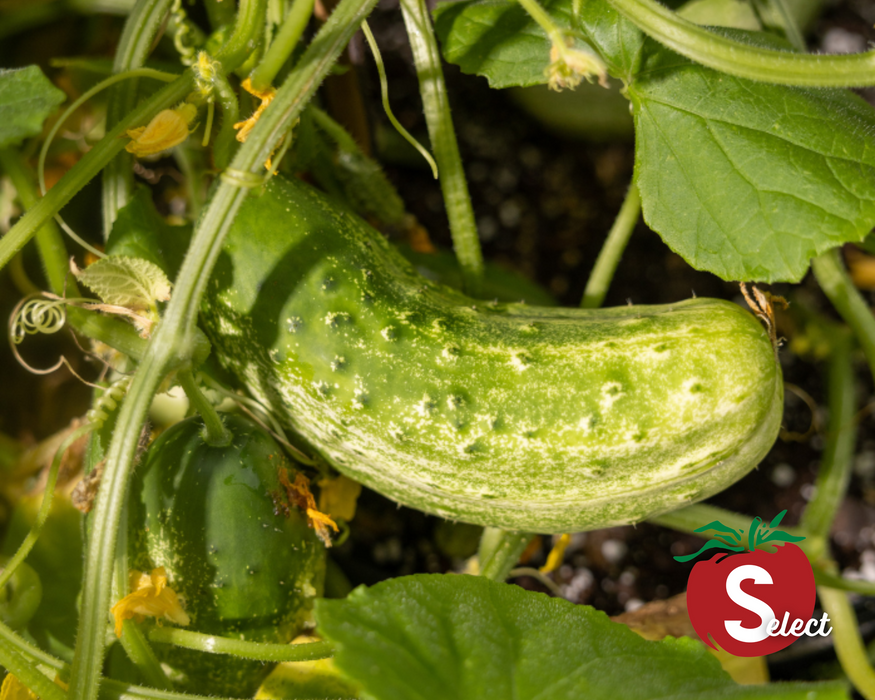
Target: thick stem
139	32
746	61
436	105
838	287
276	653
848	643
49	241
838	454
500	550
215	432
22	669
226	140
283	45
612	250
174	335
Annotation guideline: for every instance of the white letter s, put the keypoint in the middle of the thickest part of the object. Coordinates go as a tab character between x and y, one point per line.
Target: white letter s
733	589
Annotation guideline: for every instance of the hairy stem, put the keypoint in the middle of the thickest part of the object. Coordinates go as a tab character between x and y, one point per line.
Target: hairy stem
848	643
612	250
439	121
744	60
283	45
500	550
49	241
276	653
216	434
174	335
141	28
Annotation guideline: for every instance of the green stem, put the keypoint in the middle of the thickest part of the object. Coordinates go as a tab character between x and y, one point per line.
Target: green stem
824	578
22	669
31	653
848	643
276	653
175	333
499	551
840	290
612	250
545	21
226	140
142	656
283	45
744	60
216	434
838	454
436	106
691	518
141	28
49	241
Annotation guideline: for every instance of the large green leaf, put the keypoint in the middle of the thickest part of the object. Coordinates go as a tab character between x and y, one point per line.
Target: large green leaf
498	39
433	637
747	180
26	99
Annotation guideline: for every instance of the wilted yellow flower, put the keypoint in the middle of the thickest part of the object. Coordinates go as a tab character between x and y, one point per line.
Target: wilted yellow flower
568	66
266	97
300	496
150	597
167	129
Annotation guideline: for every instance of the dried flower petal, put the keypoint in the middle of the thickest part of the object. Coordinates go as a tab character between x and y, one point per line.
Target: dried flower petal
300	496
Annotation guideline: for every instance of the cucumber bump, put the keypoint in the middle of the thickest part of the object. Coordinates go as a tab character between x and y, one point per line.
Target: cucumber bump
520	417
245	566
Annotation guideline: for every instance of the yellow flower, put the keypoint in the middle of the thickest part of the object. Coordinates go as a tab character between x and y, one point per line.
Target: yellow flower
557	554
266	97
14	689
167	129
150	597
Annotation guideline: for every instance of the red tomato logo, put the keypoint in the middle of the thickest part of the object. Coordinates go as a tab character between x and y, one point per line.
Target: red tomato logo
753	602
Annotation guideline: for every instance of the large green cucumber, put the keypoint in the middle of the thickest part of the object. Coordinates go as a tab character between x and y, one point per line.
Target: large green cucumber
246	568
540	419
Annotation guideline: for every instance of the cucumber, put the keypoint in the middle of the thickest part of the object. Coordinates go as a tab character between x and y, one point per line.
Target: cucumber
214	517
507	415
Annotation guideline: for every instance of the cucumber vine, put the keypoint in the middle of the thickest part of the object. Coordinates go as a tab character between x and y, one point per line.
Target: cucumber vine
266	60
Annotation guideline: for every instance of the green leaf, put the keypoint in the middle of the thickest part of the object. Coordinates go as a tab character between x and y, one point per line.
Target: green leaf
134	283
747	180
433	637
140	231
26	99
499	40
